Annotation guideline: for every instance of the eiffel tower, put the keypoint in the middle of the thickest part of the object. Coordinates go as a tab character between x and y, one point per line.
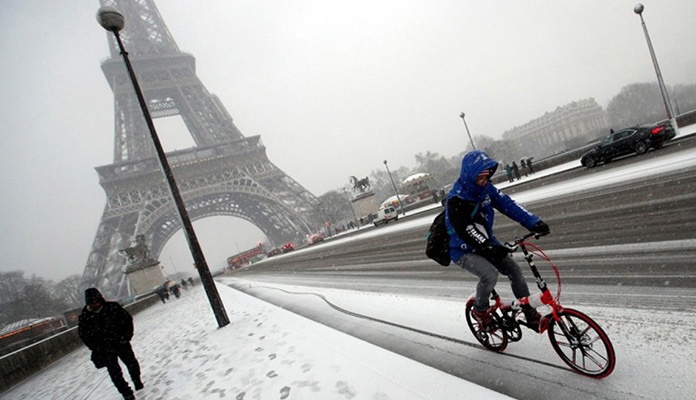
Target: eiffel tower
224	174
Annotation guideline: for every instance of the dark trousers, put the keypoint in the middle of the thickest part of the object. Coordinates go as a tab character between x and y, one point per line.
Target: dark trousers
125	353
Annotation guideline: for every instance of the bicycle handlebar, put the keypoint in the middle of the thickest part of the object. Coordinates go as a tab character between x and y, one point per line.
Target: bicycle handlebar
513	245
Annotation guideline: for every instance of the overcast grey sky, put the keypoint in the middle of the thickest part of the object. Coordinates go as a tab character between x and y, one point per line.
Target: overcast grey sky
333	88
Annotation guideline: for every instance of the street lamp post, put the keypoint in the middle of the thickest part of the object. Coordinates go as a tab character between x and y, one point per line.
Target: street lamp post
638	9
473	146
112	20
401	205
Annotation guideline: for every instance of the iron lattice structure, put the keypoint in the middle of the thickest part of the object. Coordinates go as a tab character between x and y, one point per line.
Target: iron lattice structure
225	174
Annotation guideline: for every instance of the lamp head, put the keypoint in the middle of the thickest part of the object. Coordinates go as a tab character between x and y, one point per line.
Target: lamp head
638	9
110	19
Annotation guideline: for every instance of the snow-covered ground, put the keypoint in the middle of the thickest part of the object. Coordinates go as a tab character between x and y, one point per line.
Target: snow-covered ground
270	353
655	350
264	353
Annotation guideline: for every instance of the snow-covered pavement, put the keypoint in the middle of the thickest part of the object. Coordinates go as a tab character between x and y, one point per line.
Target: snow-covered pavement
264	353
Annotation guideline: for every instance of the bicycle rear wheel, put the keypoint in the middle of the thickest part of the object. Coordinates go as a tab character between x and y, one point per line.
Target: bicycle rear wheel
493	338
582	344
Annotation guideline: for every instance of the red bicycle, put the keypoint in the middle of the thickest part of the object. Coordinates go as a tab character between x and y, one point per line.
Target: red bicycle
580	342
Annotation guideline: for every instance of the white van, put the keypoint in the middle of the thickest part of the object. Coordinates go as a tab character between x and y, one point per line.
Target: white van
384	215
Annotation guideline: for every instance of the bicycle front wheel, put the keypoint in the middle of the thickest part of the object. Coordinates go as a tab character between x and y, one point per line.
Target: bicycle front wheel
582	344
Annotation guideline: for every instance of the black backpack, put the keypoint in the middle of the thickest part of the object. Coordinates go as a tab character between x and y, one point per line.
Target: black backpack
437	241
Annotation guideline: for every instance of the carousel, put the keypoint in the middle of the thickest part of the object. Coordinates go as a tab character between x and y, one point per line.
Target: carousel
417	186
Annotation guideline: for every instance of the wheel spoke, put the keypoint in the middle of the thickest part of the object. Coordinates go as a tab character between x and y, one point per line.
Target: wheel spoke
582	344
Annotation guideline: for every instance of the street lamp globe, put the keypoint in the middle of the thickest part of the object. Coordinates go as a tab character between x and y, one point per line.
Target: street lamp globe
462	116
638	9
110	19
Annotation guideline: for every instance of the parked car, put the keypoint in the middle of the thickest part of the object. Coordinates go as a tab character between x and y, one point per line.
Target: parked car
636	139
287	247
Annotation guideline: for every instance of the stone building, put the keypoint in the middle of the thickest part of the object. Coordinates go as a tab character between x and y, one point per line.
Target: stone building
548	134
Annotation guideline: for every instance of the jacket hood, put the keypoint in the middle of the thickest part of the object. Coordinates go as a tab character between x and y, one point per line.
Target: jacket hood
473	164
92	295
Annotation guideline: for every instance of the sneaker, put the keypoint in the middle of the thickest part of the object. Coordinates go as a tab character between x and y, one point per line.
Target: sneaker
483	318
532	317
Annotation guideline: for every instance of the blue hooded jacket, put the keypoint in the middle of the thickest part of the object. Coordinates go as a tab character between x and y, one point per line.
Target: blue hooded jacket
487	198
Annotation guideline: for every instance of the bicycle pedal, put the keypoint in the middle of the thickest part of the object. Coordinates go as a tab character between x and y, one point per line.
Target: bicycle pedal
534	327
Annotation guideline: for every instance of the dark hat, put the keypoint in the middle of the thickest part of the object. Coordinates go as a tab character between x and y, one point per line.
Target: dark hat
93	295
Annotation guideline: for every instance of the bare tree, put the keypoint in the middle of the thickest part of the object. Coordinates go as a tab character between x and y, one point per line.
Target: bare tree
70	290
11	285
636	104
442	170
381	184
335	208
28	298
11	293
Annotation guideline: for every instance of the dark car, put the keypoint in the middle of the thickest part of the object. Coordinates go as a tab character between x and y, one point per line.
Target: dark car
274	252
636	139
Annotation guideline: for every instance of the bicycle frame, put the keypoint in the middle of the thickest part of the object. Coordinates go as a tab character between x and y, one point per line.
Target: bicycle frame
546	297
580	342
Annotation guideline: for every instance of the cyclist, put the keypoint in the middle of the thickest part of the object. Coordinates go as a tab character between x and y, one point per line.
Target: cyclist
470	209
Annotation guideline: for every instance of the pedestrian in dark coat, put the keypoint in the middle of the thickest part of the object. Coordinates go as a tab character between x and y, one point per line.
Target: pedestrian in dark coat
162	293
516	170
523	165
106	328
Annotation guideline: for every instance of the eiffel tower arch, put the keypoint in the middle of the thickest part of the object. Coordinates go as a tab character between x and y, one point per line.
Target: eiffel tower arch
224	174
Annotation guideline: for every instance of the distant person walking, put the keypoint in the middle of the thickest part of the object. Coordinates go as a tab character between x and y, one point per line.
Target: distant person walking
162	293
106	328
508	172
175	289
516	170
523	164
529	165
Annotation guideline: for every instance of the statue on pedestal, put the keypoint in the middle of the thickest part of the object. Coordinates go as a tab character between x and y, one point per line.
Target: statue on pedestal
138	254
360	186
364	201
142	271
